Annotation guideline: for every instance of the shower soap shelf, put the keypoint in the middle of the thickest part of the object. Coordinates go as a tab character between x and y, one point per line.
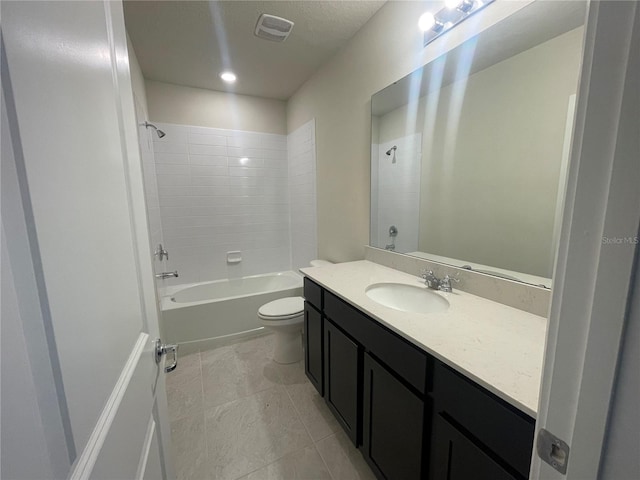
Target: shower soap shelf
234	256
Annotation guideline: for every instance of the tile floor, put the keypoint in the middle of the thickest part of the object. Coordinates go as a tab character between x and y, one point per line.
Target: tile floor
235	414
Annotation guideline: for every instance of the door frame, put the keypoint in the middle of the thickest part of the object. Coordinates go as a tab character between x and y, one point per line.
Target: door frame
593	273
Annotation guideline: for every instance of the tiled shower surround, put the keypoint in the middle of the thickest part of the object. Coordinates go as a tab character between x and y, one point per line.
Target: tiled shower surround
301	148
221	191
395	192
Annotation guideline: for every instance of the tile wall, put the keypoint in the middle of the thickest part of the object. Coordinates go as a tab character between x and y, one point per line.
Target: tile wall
395	191
220	191
301	149
151	192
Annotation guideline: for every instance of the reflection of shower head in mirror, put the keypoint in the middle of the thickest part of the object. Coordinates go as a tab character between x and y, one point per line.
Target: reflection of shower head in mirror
393	149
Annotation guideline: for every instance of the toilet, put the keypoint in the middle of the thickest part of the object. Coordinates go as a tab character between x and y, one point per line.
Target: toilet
285	317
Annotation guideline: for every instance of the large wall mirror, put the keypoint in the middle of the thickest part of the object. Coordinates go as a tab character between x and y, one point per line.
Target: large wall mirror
469	153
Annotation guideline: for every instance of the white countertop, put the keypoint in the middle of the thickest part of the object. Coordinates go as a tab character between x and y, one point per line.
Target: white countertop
498	347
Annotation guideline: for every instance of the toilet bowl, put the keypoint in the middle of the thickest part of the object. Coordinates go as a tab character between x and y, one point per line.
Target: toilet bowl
285	317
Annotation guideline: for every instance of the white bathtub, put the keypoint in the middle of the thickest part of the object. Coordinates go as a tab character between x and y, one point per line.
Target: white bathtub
204	315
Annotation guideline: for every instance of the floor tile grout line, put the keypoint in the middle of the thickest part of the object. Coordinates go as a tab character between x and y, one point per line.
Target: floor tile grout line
326	436
245	397
274	461
313	442
295	408
204	417
282	379
315	446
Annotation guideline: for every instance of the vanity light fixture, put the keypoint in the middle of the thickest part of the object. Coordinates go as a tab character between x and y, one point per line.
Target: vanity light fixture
228	77
454	12
462	5
426	21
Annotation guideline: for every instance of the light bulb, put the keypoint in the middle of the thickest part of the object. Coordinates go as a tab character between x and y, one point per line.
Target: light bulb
426	21
228	77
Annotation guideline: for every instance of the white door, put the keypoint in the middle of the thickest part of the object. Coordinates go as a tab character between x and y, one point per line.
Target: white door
68	118
594	271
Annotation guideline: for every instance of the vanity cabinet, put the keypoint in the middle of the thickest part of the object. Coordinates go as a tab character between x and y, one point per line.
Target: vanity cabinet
411	416
342	359
455	456
313	347
476	433
393	427
313	335
374	383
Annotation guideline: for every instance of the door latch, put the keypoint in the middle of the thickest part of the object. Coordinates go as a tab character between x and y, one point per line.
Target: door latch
163	349
553	450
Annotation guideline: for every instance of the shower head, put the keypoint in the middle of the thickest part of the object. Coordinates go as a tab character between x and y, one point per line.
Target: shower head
392	149
158	131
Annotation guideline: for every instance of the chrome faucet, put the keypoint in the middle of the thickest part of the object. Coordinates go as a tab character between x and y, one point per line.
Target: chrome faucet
161	253
445	283
164	275
435	283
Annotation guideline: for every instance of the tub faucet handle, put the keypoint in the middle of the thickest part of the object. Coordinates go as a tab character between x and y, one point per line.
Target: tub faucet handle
161	253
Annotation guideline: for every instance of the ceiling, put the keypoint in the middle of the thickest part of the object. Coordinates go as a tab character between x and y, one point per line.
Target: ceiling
191	42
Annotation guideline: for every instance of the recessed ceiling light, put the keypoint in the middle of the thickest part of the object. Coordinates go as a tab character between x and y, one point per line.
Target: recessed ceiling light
228	77
426	21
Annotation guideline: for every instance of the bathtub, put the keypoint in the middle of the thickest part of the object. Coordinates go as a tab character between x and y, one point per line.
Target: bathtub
204	315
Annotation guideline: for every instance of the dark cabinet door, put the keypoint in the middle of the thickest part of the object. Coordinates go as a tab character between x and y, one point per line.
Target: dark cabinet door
313	364
454	456
393	425
342	359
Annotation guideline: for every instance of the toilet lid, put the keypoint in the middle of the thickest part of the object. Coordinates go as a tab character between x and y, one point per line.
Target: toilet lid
283	307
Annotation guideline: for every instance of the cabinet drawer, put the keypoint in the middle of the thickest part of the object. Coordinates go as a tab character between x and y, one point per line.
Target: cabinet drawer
313	293
406	360
500	427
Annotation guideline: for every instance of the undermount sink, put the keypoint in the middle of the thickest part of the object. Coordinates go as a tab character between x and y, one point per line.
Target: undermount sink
406	298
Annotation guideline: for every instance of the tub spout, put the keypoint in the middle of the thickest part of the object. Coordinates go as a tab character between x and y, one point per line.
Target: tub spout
164	275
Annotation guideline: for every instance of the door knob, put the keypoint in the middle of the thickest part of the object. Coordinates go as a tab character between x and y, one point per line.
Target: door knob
164	349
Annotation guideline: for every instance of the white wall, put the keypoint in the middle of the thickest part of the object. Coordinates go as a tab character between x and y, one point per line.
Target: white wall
301	153
207	108
338	95
220	191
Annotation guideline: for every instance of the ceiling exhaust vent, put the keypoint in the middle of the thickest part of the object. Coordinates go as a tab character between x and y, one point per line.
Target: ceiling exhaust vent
273	28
